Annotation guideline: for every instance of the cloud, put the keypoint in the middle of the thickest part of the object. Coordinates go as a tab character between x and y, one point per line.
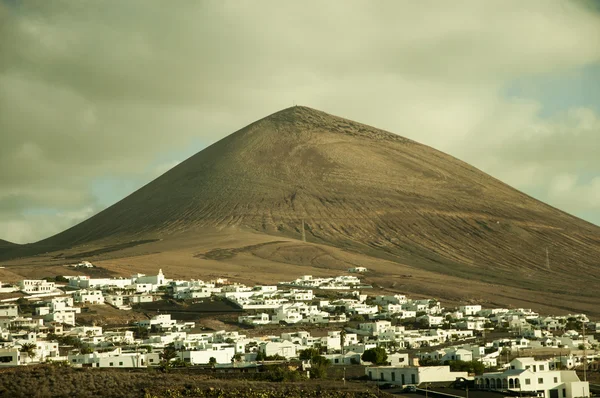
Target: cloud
556	156
90	89
21	227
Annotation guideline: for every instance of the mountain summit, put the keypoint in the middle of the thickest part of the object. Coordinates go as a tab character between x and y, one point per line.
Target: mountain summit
361	189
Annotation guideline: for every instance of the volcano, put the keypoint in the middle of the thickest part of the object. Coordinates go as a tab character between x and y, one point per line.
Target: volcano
302	174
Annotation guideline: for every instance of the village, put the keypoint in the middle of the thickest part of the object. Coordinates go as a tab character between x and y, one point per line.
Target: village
393	339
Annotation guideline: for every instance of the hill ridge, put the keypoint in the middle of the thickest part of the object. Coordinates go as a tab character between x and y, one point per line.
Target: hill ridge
360	189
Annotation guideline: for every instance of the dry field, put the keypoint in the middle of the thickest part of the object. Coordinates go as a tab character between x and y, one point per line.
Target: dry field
45	381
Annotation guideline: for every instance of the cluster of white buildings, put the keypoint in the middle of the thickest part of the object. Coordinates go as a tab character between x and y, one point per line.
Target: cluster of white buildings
332	283
394	322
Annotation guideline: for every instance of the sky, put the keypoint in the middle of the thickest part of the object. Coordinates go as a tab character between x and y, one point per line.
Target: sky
99	98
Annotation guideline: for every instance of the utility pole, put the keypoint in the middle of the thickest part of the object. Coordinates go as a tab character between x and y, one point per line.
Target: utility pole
303	233
584	354
484	336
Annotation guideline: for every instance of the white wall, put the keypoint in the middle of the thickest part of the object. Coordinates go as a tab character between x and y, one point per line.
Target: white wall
222	355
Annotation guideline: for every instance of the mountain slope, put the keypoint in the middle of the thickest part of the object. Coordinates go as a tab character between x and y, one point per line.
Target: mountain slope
361	189
5	246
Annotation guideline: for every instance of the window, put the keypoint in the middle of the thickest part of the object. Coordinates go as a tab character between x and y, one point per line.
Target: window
541	368
393	376
110	364
556	379
120	363
151	360
564	392
540	380
527	381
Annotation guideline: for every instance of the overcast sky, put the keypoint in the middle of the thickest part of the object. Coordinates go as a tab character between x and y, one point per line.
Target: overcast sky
99	97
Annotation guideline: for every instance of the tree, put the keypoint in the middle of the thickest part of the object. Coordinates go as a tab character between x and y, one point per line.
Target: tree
140	333
342	339
308	354
28	349
275	357
168	353
318	367
179	363
212	361
429	362
260	356
466	366
377	355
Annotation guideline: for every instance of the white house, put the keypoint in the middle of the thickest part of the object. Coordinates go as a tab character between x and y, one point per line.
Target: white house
113	359
301	295
348	358
160	320
374	328
471	324
412	375
221	353
395	299
33	286
9	310
9	357
469	310
63	316
399	359
529	375
285	349
139	298
432	320
88	297
85	282
117	301
259	319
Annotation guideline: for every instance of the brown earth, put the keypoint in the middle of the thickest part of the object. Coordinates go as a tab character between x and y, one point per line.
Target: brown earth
422	221
45	381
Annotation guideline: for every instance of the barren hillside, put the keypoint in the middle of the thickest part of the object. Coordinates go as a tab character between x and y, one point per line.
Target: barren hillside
362	190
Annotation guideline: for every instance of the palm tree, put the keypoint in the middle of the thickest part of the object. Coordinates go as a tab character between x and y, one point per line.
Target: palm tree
342	340
169	353
28	349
